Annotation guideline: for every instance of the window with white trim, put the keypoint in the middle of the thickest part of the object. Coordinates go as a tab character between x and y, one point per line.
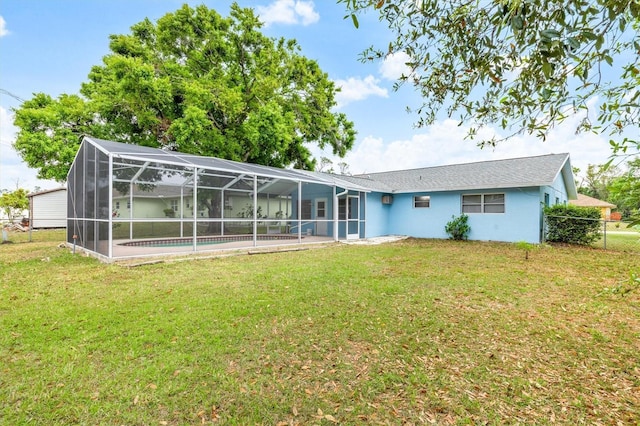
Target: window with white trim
321	209
483	203
421	201
174	205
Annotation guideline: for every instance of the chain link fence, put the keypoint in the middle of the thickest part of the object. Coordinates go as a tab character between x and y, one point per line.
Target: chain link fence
20	231
612	235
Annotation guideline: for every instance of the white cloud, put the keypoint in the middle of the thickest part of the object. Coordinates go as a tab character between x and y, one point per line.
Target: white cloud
394	66
7	129
13	171
288	12
305	9
444	143
357	89
3	27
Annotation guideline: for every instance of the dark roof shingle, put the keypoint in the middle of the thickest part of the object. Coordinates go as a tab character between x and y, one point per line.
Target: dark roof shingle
510	173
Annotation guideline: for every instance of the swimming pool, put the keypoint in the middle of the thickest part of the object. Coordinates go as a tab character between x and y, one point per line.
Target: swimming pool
188	241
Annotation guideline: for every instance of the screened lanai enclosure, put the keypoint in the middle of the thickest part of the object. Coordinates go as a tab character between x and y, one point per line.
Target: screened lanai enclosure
129	201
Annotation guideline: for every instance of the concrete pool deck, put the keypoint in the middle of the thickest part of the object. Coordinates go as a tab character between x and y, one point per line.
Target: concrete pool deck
128	255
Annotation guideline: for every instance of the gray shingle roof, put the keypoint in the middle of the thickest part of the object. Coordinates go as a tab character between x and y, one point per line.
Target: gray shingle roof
497	174
511	173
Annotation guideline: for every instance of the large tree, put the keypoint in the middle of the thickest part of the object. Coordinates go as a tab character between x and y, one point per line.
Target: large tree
625	191
596	180
194	82
14	203
524	65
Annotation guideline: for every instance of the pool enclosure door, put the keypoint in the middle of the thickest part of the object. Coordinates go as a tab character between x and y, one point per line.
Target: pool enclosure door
349	216
353	217
321	217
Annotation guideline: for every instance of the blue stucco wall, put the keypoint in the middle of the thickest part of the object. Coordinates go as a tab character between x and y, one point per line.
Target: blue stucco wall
520	221
557	192
377	215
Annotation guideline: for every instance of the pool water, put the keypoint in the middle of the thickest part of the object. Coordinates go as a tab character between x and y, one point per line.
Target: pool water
188	241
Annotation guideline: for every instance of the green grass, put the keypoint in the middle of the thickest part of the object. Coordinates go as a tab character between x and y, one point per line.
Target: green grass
625	242
405	333
620	227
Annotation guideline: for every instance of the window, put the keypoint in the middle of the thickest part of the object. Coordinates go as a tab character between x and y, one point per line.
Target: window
174	205
321	209
494	203
342	209
546	199
483	203
129	204
557	200
421	201
472	204
306	210
117	204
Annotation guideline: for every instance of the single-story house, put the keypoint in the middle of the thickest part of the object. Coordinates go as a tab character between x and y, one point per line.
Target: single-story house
503	198
586	201
48	208
129	201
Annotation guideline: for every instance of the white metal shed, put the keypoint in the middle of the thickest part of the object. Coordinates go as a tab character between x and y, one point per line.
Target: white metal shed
48	209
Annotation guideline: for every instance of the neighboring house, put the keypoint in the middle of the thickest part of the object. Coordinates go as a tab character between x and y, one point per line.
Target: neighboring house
603	206
121	192
48	209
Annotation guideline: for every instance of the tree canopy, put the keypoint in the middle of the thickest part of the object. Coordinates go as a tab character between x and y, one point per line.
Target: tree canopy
597	179
523	65
624	191
194	82
14	203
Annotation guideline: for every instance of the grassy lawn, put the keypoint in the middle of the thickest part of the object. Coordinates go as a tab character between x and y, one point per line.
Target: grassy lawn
621	241
411	332
620	227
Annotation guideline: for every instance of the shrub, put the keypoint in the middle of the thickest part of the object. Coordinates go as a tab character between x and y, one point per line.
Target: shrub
572	224
458	228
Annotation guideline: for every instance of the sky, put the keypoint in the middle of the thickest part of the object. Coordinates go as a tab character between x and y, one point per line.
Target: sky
50	46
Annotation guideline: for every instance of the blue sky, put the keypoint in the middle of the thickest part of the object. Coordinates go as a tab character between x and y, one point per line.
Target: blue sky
50	46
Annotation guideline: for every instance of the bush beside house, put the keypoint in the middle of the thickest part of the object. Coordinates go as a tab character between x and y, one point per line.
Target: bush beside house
571	224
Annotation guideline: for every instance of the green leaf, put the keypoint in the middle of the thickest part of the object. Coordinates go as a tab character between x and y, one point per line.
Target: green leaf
517	23
355	21
599	42
573	43
550	34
